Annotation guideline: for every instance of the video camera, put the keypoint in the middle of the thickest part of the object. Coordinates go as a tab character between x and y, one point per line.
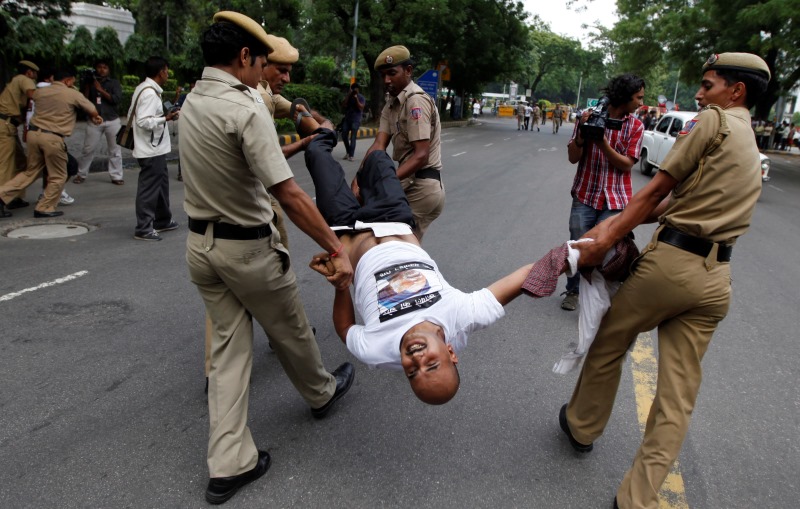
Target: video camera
595	126
87	77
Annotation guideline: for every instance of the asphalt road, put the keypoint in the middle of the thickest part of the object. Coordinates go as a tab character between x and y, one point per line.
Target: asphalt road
102	400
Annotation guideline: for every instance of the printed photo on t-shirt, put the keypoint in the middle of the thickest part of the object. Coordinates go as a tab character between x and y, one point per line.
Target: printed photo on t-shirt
405	288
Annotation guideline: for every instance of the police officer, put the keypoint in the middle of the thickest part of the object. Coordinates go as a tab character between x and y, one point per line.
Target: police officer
703	197
53	121
231	163
520	115
411	122
13	100
558	116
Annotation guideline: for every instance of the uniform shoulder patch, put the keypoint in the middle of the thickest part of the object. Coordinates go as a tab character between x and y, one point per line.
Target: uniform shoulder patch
687	128
416	113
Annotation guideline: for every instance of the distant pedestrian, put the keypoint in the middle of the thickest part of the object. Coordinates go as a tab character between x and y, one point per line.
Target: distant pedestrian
353	106
536	113
105	93
476	109
150	148
558	117
528	112
520	115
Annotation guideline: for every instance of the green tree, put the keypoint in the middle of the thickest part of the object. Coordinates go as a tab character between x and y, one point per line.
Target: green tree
686	33
45	9
479	38
107	46
81	49
323	70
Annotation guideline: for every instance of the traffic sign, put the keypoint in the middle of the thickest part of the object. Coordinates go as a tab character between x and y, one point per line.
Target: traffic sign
591	103
429	82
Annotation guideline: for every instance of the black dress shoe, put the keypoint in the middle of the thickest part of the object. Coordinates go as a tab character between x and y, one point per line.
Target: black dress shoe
615	503
54	213
17	203
3	211
562	421
221	489
344	375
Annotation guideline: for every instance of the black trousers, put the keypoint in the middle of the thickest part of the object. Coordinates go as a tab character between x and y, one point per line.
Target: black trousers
381	191
152	195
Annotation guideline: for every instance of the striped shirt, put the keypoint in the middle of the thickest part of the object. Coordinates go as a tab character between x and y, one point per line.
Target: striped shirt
598	184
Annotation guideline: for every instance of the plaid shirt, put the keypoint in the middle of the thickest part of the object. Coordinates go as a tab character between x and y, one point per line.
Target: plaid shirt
596	183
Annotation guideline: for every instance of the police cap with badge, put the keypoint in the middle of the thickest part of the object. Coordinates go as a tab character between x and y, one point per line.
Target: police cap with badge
741	62
390	57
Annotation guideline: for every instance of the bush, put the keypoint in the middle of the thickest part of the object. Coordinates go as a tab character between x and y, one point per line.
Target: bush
130	81
325	100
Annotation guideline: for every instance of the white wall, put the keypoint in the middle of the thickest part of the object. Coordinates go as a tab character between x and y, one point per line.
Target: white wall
96	16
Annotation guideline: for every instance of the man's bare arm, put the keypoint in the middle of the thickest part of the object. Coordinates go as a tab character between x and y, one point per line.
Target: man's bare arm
510	287
344	315
640	208
417	160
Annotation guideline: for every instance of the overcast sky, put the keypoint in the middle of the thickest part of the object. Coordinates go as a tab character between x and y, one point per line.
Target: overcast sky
568	22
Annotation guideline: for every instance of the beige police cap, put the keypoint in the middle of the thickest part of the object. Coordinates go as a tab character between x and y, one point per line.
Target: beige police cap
282	51
29	65
745	62
391	57
247	24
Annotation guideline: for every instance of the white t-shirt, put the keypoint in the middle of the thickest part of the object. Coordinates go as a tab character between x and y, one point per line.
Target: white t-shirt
398	285
476	108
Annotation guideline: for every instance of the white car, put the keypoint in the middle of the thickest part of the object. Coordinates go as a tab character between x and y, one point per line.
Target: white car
658	142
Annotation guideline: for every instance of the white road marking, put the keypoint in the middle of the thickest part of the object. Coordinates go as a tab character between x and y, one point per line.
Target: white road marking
775	188
488	144
459	154
506	139
54	282
551	149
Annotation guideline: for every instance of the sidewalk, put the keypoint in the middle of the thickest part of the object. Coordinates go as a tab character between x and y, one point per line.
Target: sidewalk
100	161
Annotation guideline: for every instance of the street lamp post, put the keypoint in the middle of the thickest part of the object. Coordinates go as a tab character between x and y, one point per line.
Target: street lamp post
353	57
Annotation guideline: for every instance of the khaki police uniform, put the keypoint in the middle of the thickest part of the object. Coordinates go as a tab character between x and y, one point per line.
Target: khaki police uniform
410	117
558	117
278	107
228	164
13	99
53	121
520	115
684	294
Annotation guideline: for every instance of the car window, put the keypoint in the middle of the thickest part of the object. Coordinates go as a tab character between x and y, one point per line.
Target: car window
663	124
677	125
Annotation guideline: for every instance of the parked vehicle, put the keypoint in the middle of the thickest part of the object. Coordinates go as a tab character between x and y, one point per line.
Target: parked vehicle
658	142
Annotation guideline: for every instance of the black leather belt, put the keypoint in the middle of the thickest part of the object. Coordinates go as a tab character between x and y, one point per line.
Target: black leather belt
695	245
32	127
428	173
14	120
229	231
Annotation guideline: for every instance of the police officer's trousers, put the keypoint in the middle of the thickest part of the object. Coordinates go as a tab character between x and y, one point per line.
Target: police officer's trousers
44	150
685	296
12	156
240	280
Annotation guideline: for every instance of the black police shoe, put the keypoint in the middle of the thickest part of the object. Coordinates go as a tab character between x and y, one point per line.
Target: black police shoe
562	421
221	489
344	375
3	211
55	213
17	203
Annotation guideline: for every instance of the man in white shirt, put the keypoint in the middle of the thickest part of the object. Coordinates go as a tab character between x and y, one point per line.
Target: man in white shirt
413	320
151	144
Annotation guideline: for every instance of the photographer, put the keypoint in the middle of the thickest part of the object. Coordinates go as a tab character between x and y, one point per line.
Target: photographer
353	106
602	185
105	93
